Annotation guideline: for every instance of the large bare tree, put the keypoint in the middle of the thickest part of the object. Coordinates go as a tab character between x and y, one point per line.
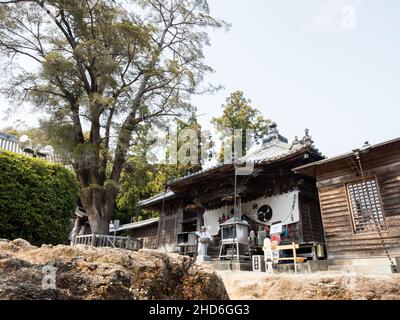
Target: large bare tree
105	67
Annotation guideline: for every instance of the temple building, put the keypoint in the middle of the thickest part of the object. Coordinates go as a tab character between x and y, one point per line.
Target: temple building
341	213
359	195
263	186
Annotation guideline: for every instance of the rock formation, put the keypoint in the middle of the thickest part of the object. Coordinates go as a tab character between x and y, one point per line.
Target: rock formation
84	272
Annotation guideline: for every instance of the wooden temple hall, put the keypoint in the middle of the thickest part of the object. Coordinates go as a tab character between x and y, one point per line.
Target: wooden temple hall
268	192
359	194
334	214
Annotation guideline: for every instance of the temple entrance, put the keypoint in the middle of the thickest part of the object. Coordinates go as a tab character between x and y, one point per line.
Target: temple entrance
191	222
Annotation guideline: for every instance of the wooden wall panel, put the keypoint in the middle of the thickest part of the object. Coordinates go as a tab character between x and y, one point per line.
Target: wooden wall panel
389	185
147	234
311	221
340	238
381	157
169	226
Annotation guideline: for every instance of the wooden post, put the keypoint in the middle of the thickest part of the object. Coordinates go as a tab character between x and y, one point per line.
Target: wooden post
295	257
93	244
199	221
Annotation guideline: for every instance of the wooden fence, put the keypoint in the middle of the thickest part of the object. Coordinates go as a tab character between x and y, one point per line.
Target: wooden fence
97	240
14	146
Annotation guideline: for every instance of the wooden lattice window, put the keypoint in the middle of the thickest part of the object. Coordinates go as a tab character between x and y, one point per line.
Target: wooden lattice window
366	205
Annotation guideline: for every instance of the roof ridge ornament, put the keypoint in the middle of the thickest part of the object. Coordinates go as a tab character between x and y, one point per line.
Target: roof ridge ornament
307	139
366	145
273	135
295	142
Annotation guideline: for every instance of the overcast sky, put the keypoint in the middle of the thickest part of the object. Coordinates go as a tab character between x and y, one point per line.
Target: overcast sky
307	64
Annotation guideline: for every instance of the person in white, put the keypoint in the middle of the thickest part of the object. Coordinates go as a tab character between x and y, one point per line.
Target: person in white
268	255
204	240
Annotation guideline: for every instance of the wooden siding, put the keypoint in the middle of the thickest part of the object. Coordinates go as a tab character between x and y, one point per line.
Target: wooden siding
340	238
310	214
148	234
311	222
169	225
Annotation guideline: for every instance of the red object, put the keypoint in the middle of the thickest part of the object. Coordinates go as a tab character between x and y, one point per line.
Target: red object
276	238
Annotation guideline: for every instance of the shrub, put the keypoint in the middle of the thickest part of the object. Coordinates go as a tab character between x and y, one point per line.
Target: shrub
37	199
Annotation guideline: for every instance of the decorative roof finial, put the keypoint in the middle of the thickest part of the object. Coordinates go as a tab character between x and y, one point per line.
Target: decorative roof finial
307	138
296	141
273	128
366	144
273	134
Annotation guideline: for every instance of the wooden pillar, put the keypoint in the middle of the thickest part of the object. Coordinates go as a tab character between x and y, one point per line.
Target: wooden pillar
199	224
295	257
93	243
200	220
160	227
180	217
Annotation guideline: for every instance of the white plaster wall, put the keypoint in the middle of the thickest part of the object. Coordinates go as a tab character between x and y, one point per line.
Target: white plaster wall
282	207
211	219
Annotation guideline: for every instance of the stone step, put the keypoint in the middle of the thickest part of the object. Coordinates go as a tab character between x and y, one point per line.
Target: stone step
361	269
289	268
360	262
364	265
227	265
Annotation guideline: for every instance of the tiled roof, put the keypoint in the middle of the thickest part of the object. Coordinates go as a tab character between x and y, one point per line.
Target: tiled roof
266	154
365	148
274	148
136	225
156	199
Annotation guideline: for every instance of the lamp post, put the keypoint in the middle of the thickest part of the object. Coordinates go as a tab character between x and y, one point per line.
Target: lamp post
23	139
35	151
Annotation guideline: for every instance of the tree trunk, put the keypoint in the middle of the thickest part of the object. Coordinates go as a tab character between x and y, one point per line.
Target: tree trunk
99	222
99	204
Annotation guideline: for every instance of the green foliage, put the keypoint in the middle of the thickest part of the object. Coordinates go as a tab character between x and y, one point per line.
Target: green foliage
202	155
107	67
141	180
37	199
239	114
60	135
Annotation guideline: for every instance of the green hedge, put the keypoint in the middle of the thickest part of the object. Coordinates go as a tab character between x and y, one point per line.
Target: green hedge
37	199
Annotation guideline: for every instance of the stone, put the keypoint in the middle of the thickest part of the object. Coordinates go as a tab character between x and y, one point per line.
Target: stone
87	273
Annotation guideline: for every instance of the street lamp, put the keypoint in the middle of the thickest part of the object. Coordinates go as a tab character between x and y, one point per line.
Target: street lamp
36	151
24	138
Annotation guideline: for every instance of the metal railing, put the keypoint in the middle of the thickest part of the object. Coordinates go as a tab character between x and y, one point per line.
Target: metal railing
97	240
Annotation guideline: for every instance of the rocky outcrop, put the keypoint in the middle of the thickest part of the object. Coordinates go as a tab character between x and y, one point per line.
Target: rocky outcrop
84	272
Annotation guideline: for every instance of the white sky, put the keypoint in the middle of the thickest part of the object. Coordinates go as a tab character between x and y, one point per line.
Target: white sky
302	69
